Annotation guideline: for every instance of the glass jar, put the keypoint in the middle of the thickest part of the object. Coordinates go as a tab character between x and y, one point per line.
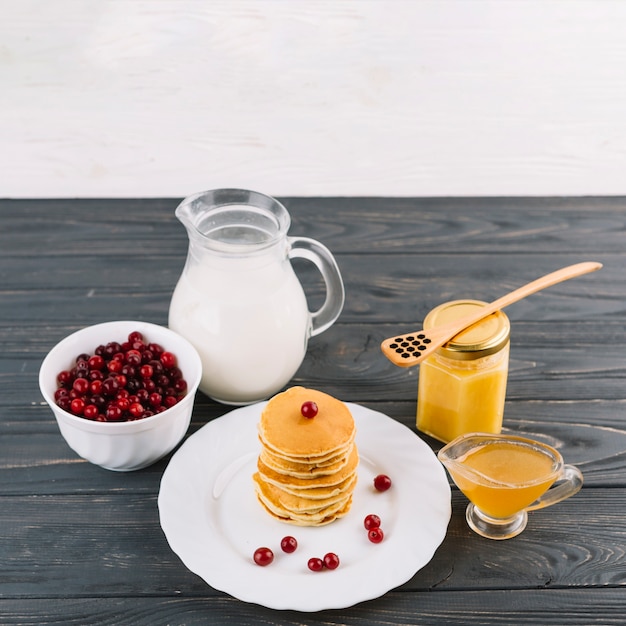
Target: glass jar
462	386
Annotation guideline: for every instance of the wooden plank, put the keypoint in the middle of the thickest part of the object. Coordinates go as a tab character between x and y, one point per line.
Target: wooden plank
397	289
441	226
96	544
593	382
29	341
548	607
37	460
347	360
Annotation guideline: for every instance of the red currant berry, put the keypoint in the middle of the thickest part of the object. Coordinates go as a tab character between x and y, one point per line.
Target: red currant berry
155	400
133	357
122	381
138	345
91	412
81	386
162	380
147	356
382	482
64	402
98	400
110	386
95	362
111	349
375	535
156	349
115	366
170	401
77	406
136	409
61	392
315	564
331	560
309	409
135	335
168	360
129	371
146	371
288	544
175	373
65	378
263	556
371	521
114	413
157	366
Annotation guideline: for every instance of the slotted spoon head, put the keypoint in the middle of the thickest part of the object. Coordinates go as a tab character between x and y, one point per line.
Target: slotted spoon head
405	350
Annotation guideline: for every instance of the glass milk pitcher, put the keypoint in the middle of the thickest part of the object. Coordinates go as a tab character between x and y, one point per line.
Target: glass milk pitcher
239	301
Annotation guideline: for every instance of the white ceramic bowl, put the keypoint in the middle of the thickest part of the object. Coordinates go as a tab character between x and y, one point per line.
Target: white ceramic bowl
122	446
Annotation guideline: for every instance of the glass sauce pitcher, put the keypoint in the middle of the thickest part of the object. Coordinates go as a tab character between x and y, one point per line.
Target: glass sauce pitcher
504	477
239	301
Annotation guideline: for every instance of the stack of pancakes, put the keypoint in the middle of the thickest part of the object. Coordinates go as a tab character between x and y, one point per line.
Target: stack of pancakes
307	468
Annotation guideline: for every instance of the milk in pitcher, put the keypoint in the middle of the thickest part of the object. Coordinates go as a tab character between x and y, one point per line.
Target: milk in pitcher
239	301
247	322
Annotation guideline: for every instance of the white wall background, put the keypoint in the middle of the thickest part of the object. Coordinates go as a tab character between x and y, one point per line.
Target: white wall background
312	97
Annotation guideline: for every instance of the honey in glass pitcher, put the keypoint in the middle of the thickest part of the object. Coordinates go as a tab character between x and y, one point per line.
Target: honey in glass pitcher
504	477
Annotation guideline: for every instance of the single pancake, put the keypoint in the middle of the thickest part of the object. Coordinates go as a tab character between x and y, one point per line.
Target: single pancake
326	480
284	429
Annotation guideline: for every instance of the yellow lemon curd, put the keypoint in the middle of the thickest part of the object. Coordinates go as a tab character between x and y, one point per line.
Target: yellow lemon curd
462	387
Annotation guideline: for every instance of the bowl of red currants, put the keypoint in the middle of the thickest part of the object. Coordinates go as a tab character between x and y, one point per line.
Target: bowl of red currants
122	392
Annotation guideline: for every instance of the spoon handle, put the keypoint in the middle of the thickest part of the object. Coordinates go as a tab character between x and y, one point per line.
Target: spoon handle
565	273
439	335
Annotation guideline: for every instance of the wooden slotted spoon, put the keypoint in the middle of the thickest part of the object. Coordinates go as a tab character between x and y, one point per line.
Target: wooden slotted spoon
412	348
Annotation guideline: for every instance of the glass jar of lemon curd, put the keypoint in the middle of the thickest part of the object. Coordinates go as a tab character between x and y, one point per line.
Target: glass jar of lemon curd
462	386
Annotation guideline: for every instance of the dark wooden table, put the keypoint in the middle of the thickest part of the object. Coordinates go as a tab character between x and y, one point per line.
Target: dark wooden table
82	545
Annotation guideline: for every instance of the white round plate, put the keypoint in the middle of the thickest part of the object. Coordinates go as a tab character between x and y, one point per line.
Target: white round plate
214	523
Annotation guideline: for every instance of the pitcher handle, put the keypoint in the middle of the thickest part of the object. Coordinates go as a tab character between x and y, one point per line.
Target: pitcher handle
567	485
322	258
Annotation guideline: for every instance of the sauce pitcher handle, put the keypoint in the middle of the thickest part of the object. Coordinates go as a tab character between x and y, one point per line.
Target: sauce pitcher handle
567	485
322	258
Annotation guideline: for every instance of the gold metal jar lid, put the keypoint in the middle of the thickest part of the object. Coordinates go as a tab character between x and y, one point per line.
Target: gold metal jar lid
482	339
